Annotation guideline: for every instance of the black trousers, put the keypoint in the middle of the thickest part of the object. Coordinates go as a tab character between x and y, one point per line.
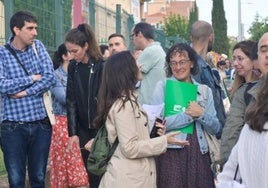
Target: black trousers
84	136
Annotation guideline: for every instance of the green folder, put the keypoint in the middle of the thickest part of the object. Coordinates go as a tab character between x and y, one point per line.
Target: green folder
177	97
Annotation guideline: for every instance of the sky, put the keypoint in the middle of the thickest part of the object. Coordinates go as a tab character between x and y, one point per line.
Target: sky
249	9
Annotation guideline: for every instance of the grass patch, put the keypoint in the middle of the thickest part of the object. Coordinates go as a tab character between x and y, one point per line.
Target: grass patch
2	165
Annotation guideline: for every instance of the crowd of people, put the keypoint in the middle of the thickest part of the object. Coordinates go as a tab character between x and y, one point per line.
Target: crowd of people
92	84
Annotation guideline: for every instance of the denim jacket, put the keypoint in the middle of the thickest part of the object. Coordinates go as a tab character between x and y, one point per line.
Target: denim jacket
206	122
58	92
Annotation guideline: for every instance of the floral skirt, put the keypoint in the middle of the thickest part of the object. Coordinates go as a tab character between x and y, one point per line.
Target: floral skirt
66	168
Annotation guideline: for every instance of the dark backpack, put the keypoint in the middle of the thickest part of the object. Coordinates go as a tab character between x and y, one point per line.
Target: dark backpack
101	152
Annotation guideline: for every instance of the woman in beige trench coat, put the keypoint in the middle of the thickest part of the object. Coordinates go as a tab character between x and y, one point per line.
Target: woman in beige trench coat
132	165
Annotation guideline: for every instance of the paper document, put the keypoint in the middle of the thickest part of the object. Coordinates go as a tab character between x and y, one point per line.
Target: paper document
153	111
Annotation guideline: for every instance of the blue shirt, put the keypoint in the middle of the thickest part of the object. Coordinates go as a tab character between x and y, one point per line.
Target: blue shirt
208	121
58	92
13	79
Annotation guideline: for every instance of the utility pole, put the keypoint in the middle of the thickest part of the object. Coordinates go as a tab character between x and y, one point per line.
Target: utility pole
240	34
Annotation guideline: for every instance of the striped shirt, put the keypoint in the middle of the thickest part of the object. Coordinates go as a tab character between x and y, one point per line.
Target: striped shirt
13	79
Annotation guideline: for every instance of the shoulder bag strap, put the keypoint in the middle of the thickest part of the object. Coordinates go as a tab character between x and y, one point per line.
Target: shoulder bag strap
8	47
35	51
112	150
235	176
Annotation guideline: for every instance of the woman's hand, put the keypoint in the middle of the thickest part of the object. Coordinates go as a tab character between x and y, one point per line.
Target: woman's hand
172	140
73	140
161	127
89	144
194	110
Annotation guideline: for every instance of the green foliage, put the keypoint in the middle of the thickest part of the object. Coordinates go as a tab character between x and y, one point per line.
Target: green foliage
258	27
192	18
232	43
219	24
175	24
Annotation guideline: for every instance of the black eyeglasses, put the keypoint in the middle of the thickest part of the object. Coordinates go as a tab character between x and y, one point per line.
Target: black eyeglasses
183	62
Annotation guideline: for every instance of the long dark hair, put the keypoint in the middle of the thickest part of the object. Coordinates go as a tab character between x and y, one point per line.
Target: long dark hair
119	79
84	34
246	47
57	56
257	114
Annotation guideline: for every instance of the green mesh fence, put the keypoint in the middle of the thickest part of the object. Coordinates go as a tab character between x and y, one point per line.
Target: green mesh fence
54	18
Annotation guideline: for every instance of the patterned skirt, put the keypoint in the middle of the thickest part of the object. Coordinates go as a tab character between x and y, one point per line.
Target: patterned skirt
184	168
66	168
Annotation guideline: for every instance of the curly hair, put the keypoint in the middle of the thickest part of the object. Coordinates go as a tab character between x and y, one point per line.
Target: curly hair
181	48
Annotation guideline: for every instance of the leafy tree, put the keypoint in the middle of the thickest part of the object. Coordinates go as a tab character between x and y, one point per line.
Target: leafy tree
232	43
258	27
192	18
219	25
175	24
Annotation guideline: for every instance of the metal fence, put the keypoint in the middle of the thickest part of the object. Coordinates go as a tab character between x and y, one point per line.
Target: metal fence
55	19
2	24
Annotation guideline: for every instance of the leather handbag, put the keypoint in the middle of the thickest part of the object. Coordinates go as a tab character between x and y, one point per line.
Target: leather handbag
214	152
213	146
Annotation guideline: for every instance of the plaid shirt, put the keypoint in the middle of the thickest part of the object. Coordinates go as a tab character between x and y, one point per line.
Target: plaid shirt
13	79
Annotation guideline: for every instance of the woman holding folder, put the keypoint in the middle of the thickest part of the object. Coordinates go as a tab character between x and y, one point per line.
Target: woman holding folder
189	107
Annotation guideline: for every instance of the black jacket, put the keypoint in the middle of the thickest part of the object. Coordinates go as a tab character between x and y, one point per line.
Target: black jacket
82	92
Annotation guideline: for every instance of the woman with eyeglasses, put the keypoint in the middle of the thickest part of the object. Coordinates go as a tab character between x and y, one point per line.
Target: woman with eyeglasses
244	55
245	71
186	166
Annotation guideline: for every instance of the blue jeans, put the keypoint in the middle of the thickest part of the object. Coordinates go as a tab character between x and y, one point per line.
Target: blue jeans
26	144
